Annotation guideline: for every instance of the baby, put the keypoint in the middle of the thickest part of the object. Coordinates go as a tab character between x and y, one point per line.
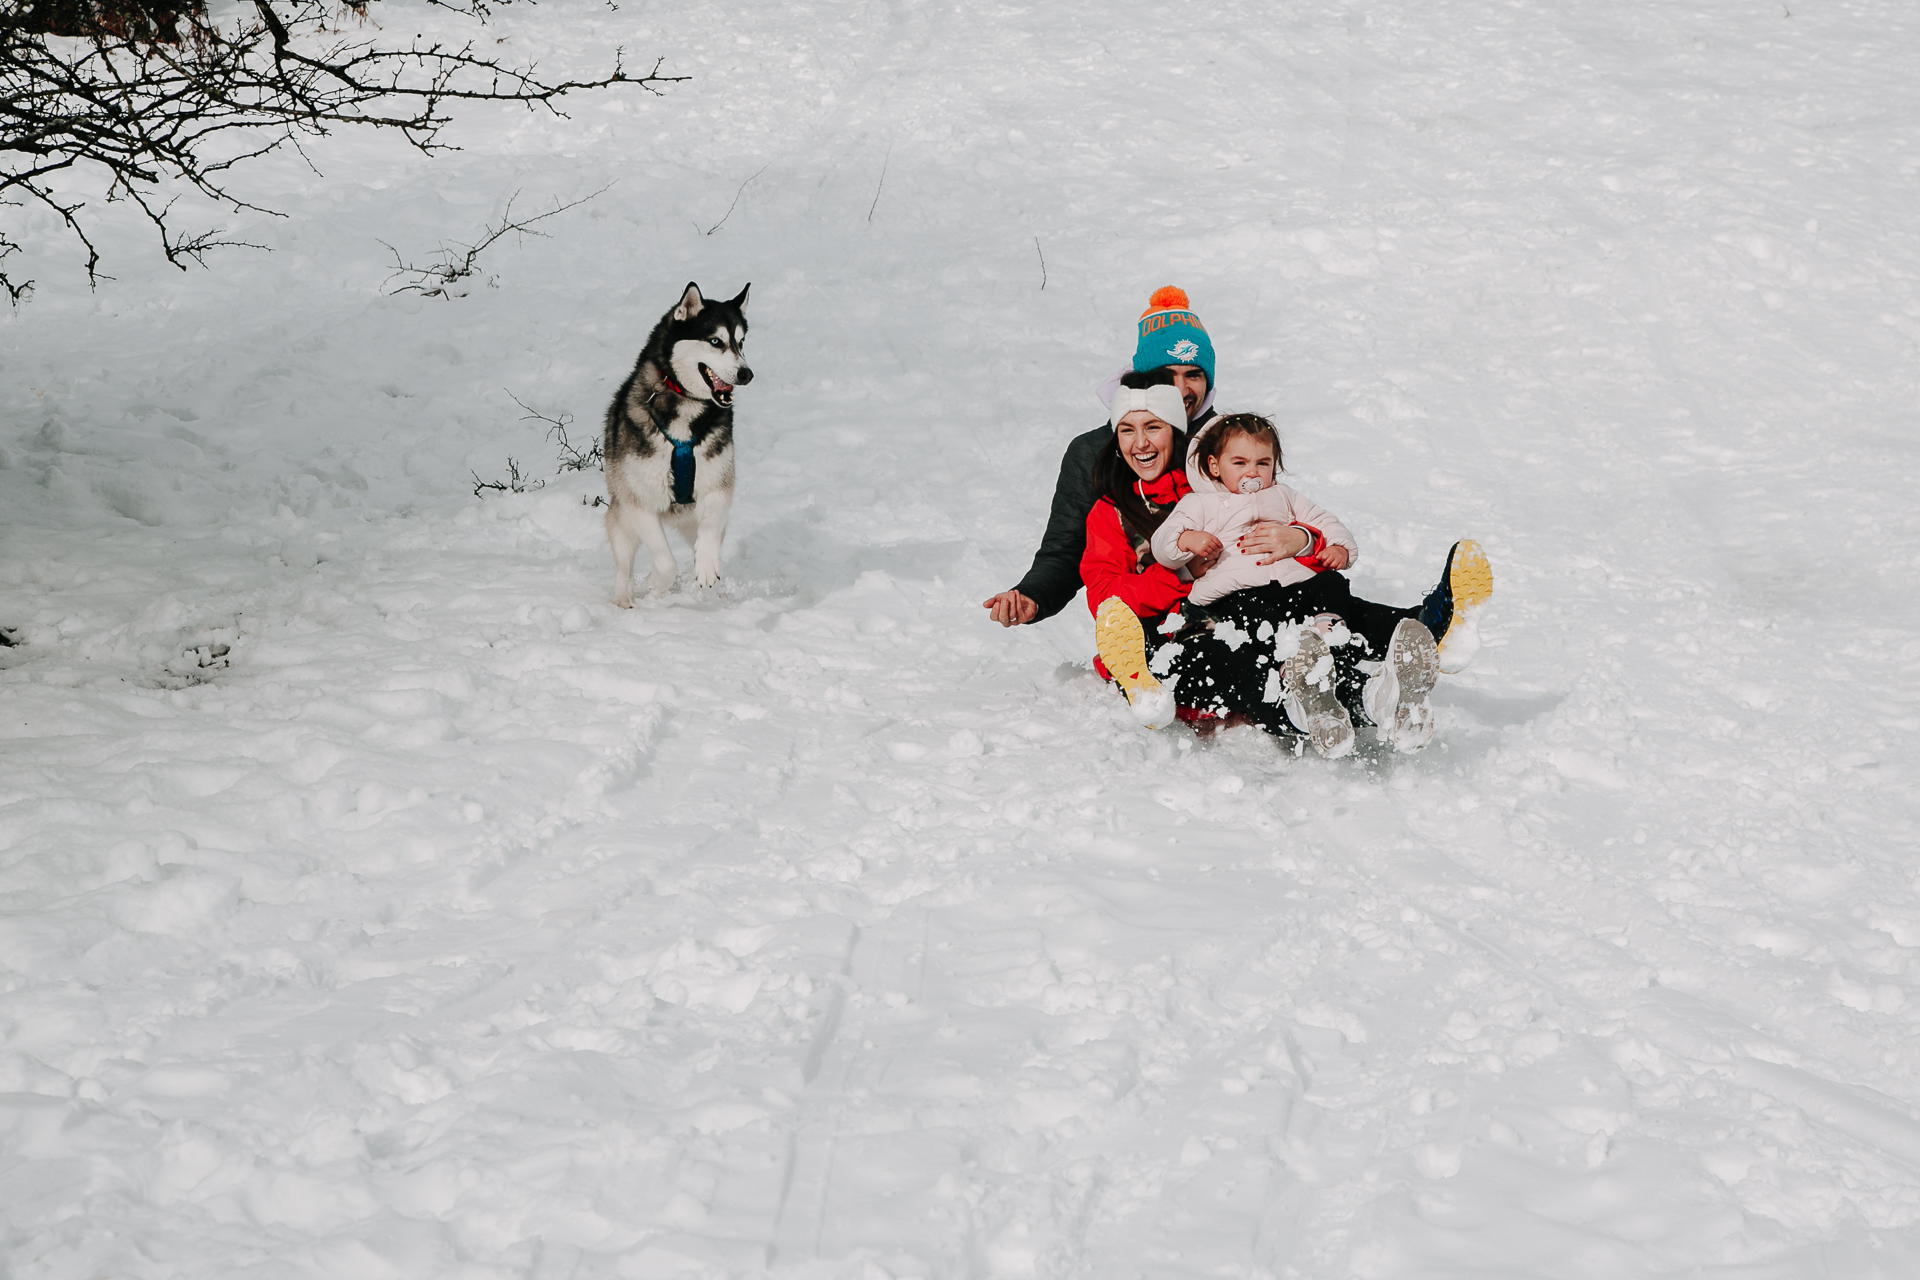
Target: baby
1380	662
1241	454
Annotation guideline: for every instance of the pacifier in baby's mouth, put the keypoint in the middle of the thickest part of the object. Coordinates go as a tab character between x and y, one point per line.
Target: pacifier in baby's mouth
1252	484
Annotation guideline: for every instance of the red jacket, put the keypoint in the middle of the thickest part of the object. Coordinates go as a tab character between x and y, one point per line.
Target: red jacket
1110	566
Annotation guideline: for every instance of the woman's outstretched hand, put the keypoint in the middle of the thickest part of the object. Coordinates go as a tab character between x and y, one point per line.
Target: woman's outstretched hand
1010	609
1274	542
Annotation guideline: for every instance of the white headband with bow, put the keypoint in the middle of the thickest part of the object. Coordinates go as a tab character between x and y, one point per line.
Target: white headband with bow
1163	402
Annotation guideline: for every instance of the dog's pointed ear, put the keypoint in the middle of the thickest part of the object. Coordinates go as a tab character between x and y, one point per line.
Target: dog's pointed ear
740	299
690	303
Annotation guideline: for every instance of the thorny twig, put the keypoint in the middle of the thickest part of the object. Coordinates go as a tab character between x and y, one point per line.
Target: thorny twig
882	186
460	262
514	483
571	458
736	200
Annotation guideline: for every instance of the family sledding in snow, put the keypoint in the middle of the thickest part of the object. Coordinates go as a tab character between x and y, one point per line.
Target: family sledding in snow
1216	591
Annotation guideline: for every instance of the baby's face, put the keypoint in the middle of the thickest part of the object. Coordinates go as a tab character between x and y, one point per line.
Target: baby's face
1244	464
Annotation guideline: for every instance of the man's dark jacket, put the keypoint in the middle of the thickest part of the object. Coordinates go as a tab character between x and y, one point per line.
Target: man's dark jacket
1054	579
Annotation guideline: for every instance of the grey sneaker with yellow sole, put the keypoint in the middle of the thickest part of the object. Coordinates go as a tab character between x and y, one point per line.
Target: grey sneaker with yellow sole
1306	692
1396	699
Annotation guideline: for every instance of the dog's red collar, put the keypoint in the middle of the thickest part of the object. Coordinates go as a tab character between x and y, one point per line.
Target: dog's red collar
675	387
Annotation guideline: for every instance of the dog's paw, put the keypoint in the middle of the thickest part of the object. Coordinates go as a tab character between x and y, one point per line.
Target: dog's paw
707	577
658	585
623	602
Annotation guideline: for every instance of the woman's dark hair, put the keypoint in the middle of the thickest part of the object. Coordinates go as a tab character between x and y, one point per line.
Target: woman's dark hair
1113	476
1224	429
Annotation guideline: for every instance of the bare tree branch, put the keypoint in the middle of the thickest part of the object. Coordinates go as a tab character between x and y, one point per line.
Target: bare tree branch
153	92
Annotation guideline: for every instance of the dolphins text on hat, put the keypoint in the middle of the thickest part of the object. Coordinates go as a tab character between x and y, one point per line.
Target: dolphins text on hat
1161	319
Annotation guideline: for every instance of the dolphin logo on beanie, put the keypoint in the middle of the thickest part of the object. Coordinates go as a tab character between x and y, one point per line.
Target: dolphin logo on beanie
1171	334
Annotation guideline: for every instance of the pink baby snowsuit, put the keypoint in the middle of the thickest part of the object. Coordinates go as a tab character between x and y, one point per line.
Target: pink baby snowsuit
1227	516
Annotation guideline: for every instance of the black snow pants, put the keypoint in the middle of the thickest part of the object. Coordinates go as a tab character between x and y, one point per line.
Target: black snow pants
1227	658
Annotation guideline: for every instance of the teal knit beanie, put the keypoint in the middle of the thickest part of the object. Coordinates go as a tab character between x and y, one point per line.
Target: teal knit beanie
1171	334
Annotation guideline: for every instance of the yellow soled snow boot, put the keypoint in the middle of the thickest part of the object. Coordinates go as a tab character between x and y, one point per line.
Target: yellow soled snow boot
1465	585
1123	649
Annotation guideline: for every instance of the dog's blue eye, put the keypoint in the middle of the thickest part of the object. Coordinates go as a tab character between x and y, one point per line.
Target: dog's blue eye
716	342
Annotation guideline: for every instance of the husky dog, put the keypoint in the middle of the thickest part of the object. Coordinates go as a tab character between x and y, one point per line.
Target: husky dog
669	443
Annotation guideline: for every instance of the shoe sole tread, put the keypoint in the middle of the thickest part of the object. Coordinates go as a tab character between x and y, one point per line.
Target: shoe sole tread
1416	670
1328	726
1469	583
1122	644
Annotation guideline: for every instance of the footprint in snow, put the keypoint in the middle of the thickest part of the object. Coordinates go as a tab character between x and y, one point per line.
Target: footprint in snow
204	654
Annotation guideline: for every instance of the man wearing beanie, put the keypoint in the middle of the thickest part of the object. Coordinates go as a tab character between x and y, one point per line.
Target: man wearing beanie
1170	337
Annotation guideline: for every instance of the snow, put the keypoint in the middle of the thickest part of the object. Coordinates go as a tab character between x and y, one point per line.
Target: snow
377	900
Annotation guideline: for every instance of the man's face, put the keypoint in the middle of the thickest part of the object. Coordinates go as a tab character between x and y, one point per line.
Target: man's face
1190	380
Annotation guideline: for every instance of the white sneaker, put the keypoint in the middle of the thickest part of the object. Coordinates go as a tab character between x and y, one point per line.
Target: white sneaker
1306	682
1396	699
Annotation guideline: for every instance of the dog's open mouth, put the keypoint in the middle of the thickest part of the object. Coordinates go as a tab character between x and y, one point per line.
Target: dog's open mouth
722	391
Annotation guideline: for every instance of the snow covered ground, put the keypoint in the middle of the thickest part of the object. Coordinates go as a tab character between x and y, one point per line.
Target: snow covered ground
452	923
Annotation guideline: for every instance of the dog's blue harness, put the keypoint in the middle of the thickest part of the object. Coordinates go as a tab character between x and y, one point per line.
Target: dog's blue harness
682	471
682	454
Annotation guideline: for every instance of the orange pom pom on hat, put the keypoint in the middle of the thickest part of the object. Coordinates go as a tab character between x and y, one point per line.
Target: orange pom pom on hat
1171	334
1168	297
